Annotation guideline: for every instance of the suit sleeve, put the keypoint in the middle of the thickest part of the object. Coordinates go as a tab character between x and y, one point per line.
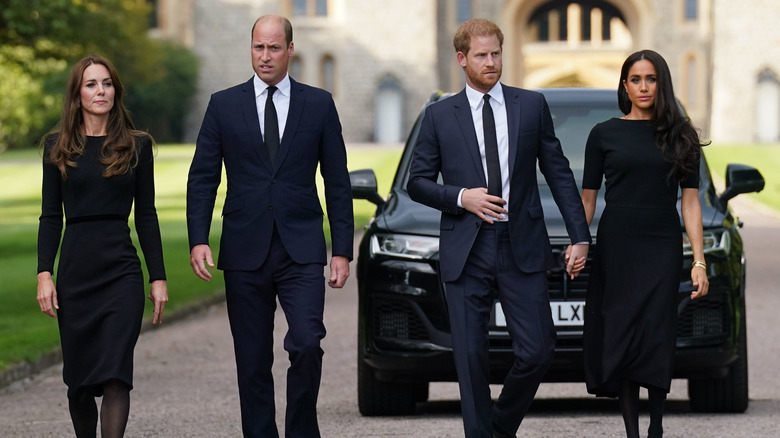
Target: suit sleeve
204	177
555	167
338	189
425	168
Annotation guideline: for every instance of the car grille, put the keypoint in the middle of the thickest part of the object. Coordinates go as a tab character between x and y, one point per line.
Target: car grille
398	320
702	320
707	316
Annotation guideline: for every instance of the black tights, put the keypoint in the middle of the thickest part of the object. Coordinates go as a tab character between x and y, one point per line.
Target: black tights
113	411
629	405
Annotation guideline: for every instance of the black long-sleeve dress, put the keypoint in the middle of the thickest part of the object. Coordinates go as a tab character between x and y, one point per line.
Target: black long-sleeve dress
631	302
99	279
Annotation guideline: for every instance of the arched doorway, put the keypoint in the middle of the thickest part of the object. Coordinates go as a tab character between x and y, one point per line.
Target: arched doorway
569	42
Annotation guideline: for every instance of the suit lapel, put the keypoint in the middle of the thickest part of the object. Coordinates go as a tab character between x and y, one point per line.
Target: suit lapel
463	117
249	108
297	100
513	113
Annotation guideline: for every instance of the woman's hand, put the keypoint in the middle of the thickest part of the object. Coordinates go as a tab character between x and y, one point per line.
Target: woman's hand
47	294
159	296
699	279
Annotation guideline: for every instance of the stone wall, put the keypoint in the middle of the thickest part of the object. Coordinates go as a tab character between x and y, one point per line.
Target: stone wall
745	43
715	61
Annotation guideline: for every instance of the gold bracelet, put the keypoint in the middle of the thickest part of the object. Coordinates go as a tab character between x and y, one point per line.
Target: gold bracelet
700	264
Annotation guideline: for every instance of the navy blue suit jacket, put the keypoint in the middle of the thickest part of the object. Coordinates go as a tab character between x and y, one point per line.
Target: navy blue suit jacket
447	144
259	194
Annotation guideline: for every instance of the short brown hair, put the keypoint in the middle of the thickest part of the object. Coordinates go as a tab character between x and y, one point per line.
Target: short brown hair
472	28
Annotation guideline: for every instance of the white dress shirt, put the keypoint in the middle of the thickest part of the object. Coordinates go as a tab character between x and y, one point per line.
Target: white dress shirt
498	104
281	100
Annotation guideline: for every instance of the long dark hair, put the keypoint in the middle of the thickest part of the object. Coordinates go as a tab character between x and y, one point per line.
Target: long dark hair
118	152
674	133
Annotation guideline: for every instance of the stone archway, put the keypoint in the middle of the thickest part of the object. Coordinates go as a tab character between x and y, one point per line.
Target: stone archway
578	54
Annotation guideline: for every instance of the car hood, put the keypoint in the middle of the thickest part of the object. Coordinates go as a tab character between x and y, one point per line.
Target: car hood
400	214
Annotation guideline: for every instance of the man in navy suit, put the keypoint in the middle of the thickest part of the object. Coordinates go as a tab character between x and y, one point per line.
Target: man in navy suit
271	133
487	157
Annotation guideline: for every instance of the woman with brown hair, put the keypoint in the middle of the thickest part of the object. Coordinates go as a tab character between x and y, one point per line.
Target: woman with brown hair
97	168
645	158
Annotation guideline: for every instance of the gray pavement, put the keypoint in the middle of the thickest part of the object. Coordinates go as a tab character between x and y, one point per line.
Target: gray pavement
185	382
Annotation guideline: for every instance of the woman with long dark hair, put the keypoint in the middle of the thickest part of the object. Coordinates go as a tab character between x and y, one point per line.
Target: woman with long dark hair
644	157
96	169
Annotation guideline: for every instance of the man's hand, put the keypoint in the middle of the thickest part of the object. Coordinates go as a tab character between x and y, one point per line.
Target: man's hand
489	208
339	272
199	257
575	258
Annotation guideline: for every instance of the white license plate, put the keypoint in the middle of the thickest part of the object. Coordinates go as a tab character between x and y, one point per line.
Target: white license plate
566	313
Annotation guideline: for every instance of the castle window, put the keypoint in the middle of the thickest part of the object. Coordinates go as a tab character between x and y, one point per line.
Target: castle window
328	74
310	8
691	10
389	111
575	21
464	11
296	68
768	107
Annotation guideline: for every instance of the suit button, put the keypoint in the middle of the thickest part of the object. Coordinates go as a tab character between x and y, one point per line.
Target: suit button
477	224
270	206
273	181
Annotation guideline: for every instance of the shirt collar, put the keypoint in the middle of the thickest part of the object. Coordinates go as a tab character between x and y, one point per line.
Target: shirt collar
283	86
475	97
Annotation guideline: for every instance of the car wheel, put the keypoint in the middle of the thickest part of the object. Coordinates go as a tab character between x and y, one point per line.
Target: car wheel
729	394
377	398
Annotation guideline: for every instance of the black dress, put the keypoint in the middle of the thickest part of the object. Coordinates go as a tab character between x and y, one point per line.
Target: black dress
630	312
100	285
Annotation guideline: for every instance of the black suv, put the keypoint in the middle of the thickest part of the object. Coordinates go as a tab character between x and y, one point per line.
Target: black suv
403	325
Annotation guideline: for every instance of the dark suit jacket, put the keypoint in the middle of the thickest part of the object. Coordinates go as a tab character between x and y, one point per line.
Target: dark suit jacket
260	195
448	144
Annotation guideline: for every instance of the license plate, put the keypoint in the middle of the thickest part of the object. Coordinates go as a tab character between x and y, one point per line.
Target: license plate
565	313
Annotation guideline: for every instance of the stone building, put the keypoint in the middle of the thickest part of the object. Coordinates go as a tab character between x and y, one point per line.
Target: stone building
382	59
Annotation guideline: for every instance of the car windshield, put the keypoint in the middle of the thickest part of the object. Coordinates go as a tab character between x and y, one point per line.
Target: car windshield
574	114
573	122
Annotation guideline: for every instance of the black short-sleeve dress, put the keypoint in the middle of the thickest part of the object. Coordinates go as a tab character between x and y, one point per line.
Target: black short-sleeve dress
99	281
630	311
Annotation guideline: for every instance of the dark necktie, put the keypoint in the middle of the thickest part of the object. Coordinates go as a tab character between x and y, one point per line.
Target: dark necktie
491	149
271	125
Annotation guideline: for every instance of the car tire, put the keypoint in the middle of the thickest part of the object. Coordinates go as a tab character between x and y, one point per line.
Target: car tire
377	398
729	394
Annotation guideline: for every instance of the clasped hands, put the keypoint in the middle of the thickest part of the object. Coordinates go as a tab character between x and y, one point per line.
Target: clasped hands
490	208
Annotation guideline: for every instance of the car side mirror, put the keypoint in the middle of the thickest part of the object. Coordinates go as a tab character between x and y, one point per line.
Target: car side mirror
364	186
741	179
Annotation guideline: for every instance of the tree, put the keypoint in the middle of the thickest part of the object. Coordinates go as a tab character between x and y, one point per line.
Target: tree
45	37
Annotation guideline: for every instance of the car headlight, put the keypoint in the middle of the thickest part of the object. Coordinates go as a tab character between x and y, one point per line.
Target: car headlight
715	241
404	246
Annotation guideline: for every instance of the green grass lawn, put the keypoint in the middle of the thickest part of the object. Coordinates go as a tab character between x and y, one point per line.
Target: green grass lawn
25	333
765	157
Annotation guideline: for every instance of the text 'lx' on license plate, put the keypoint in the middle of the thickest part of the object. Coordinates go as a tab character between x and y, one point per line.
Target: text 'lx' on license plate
564	313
